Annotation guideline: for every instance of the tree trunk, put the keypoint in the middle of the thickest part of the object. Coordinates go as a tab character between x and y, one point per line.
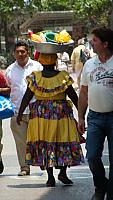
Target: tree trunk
0	43
6	36
0	35
111	21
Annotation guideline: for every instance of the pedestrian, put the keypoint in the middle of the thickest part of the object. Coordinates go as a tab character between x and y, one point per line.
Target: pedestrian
77	64
16	74
63	60
52	137
97	94
4	91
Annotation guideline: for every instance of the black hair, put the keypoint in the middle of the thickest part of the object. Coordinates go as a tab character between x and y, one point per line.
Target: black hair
105	35
21	43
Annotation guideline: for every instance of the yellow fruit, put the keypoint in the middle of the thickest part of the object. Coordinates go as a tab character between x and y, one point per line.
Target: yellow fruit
36	38
62	37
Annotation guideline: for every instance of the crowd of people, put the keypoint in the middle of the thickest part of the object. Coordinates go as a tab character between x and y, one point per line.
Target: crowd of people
45	131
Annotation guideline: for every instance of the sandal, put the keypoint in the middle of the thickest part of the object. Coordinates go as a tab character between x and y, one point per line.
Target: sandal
24	171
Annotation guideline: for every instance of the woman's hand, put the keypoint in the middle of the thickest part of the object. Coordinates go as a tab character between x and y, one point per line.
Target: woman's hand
19	119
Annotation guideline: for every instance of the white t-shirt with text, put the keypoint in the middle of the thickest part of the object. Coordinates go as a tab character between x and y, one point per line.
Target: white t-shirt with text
99	79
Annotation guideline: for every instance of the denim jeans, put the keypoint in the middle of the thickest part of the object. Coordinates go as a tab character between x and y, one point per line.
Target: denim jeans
100	126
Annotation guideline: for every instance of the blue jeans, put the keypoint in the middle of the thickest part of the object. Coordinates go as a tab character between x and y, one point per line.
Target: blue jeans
100	126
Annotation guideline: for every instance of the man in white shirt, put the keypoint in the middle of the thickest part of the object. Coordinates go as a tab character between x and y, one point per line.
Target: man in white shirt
97	93
16	74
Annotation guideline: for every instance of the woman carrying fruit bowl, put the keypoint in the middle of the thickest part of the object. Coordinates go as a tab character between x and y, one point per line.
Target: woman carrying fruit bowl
52	136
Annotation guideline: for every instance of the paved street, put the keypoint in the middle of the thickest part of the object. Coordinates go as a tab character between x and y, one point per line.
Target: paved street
33	187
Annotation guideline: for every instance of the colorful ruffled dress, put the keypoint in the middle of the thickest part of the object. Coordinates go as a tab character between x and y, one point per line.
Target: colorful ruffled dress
52	138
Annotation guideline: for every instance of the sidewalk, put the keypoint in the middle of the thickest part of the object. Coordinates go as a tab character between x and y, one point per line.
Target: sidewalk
33	187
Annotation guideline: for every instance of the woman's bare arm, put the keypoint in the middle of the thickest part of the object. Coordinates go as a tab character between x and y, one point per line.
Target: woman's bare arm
25	101
72	95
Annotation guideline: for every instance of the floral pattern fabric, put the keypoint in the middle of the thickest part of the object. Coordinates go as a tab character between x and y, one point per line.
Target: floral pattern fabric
53	154
52	138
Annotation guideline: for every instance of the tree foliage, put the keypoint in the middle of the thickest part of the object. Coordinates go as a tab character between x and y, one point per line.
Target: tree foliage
92	12
8	13
96	12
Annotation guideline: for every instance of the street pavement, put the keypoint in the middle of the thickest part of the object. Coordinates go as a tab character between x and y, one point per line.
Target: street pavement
33	187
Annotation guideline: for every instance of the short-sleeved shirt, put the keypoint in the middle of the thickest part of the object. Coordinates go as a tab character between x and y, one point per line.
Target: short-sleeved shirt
99	79
16	76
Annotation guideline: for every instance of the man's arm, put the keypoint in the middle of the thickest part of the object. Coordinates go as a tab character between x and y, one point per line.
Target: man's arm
82	107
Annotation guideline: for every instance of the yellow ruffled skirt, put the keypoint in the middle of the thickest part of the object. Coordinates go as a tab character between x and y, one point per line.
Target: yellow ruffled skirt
52	138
